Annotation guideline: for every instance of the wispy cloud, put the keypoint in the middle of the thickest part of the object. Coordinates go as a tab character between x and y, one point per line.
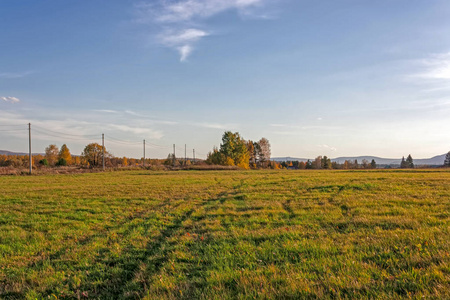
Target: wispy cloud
305	127
15	75
10	99
215	125
180	19
109	111
437	66
327	147
155	134
185	36
177	11
182	40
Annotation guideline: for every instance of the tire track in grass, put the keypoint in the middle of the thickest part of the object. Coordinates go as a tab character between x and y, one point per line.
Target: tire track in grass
159	251
130	258
132	283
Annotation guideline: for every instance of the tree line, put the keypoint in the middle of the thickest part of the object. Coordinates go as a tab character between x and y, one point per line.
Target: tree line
325	163
233	151
91	156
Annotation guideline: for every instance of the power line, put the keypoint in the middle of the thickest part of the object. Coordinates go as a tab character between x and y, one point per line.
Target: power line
89	137
158	146
116	140
109	140
62	136
65	134
13	129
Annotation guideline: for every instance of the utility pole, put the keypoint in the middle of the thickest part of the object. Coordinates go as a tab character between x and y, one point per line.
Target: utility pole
103	151
193	153
29	146
144	154
173	155
185	156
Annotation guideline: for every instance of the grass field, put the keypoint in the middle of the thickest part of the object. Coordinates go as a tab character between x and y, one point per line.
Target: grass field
226	235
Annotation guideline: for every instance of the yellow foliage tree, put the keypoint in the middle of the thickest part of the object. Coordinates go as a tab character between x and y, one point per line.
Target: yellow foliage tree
125	161
64	153
51	154
229	161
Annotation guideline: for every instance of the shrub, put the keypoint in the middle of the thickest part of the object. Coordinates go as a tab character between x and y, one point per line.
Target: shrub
61	162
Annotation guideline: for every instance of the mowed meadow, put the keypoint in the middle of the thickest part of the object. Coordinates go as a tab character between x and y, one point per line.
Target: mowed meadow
226	235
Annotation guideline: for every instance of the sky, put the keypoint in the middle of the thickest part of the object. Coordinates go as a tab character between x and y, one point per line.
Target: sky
322	77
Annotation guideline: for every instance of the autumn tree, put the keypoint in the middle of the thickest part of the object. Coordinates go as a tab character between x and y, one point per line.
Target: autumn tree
77	160
234	147
64	154
215	157
252	153
93	154
51	154
235	151
347	164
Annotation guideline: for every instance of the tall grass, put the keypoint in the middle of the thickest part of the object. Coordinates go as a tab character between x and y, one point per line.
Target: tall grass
226	235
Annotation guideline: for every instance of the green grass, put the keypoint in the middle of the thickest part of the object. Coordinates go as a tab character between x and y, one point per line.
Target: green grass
226	235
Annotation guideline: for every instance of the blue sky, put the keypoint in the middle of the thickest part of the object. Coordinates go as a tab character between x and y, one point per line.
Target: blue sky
331	77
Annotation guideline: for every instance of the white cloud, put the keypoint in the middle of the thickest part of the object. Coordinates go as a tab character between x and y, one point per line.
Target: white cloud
436	66
327	147
130	112
15	75
185	51
178	17
10	99
182	40
106	111
185	36
187	10
155	134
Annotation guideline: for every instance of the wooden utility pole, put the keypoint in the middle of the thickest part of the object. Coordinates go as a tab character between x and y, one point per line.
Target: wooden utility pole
103	151
144	155
29	148
193	153
185	156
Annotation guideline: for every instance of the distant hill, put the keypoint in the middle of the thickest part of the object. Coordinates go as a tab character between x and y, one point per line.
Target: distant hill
288	158
435	161
4	152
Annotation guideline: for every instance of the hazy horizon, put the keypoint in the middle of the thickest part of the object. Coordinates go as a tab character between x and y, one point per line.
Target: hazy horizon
335	78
